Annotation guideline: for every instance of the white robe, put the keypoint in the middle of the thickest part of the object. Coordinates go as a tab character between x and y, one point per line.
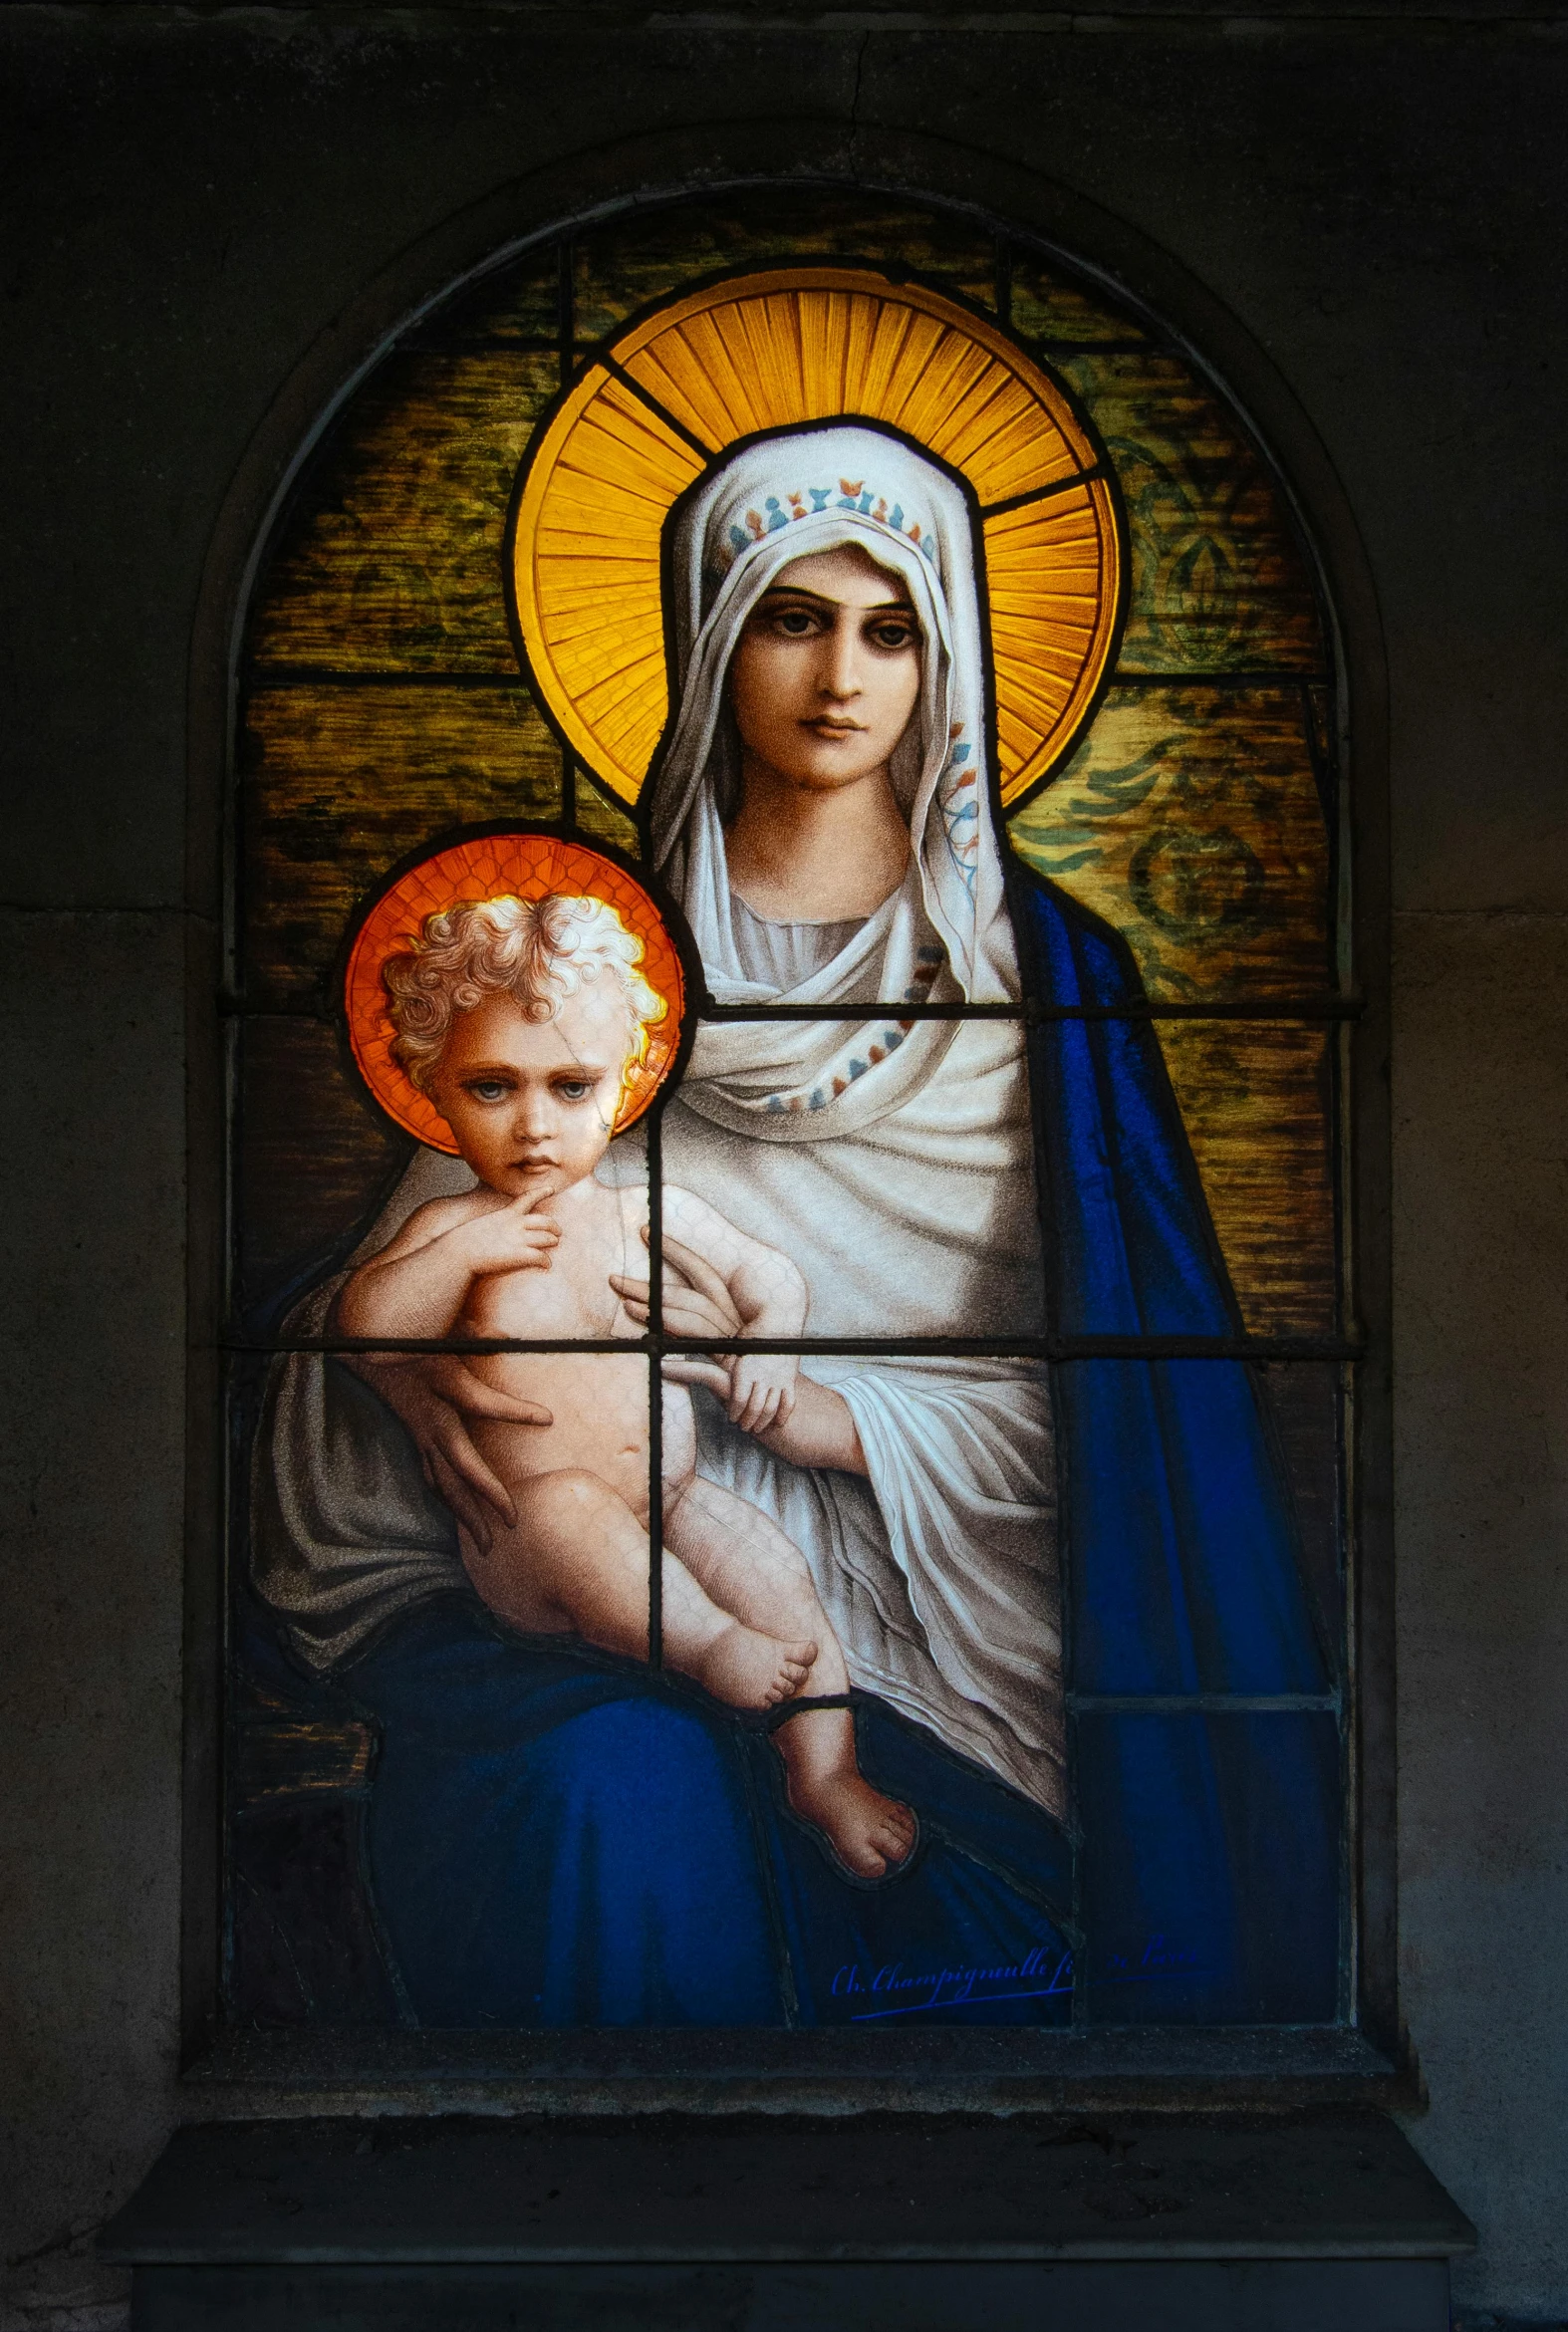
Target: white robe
939	1569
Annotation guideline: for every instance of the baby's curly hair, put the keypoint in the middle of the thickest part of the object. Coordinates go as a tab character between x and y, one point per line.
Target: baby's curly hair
539	951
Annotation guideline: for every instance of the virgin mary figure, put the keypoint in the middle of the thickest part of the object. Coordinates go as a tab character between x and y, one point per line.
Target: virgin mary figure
939	1098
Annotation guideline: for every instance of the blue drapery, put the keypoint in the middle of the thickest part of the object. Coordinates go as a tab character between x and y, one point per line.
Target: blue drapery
1209	1875
557	1839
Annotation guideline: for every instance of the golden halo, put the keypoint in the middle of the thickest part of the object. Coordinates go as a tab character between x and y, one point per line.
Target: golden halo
809	344
497	866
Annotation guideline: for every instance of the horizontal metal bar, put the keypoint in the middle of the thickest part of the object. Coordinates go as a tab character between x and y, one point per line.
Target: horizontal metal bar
1286	1010
1346	1008
459	344
444	677
1044	345
1064	1349
1198	1703
355	677
1252	677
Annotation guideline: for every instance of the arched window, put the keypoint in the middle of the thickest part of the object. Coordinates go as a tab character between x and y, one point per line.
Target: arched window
906	672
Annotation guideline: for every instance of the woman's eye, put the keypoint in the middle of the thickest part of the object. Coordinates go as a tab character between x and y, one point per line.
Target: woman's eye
794	623
895	636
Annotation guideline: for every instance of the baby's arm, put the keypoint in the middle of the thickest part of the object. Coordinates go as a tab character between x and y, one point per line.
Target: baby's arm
416	1286
767	1292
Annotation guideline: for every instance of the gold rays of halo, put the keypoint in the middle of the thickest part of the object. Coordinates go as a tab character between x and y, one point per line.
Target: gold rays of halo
803	345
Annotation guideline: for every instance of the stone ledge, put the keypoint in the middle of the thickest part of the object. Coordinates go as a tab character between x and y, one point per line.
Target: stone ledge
574	2074
683	2189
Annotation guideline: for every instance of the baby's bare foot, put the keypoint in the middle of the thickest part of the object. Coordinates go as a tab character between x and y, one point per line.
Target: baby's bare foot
871	1834
750	1669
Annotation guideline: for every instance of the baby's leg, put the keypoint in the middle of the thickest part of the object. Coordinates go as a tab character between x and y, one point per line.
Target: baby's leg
580	1555
575	1559
746	1563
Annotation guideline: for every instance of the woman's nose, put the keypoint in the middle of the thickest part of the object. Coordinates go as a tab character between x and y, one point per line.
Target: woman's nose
840	661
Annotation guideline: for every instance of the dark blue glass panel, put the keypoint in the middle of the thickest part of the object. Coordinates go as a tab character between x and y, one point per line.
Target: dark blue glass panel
1210	1867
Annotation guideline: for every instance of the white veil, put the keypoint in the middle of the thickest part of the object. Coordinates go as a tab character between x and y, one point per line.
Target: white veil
789	498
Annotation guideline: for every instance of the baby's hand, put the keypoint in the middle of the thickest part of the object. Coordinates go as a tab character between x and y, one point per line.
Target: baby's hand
513	1238
761	1389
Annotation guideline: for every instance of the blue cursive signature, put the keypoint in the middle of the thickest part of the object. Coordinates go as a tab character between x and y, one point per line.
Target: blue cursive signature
898	1990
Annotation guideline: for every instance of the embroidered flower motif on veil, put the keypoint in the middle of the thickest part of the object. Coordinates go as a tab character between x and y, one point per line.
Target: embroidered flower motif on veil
854	494
841	1073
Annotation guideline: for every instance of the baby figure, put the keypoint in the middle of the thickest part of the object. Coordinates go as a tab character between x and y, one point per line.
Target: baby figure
520	1020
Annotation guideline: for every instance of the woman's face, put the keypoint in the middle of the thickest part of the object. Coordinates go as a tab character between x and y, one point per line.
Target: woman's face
825	677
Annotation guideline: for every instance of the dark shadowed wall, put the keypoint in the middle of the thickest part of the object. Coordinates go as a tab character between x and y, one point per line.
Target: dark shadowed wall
197	205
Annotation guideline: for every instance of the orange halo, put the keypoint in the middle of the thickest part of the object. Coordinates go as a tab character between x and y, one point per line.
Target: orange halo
497	866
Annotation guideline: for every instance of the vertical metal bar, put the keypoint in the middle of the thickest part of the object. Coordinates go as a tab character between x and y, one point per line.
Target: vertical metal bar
1078	1939
565	306
1350	1720
566	334
656	1388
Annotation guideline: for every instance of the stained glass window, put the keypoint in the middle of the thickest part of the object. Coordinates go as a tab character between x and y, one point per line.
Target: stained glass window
789	1370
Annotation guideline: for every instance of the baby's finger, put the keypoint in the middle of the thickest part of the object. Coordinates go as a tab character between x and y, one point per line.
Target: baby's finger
529	1199
752	1408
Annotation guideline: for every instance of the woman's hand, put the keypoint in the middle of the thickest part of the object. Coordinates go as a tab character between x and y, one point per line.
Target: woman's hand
434	1394
698	1301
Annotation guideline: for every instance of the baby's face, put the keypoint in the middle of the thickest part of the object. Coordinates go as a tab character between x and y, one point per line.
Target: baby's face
532	1103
